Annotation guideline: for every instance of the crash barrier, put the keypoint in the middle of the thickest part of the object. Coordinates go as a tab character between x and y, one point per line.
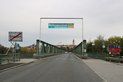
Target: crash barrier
116	58
45	49
101	56
26	55
105	56
9	58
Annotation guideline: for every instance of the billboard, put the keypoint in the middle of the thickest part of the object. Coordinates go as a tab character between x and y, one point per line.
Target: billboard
114	49
15	36
55	30
60	25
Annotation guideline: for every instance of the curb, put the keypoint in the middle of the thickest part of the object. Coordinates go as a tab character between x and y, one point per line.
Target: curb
22	64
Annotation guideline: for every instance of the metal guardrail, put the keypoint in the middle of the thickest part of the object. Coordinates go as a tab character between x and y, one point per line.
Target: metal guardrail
106	57
9	58
97	55
45	49
2	58
114	59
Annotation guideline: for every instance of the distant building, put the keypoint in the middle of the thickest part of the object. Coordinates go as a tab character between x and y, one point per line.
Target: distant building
31	46
71	46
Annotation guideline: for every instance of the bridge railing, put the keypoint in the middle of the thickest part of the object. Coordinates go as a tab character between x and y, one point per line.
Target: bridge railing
9	58
45	49
80	50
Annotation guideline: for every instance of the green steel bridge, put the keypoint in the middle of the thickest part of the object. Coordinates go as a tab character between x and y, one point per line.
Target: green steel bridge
45	49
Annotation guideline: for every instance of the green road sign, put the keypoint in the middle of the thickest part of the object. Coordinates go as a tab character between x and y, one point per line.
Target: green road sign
60	25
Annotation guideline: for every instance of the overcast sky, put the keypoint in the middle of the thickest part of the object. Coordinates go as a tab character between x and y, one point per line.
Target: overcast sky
101	17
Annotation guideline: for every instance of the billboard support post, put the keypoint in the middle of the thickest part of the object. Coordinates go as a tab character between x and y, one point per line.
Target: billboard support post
82	39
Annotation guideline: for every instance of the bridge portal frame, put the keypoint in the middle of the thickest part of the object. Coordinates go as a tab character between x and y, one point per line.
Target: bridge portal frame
82	48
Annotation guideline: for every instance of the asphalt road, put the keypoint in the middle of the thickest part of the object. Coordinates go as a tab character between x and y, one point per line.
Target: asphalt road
60	68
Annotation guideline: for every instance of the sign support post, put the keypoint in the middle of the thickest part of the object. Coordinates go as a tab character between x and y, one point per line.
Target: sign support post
13	38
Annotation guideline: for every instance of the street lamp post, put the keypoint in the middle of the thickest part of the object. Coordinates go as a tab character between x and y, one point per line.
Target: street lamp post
40	30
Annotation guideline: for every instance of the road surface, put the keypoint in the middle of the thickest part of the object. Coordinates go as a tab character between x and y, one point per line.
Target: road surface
60	68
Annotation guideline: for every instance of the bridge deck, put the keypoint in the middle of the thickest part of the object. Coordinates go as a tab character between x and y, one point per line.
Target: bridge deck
60	68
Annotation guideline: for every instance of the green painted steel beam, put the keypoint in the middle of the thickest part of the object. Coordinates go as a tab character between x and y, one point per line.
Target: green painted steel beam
44	48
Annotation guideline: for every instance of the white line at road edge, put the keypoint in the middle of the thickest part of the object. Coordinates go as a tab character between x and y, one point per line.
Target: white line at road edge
93	70
11	68
16	66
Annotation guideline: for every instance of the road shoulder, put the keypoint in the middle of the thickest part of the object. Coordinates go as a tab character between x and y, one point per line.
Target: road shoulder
110	72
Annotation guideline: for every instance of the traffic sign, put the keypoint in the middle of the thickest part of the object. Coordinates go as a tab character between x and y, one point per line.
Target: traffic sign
15	36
